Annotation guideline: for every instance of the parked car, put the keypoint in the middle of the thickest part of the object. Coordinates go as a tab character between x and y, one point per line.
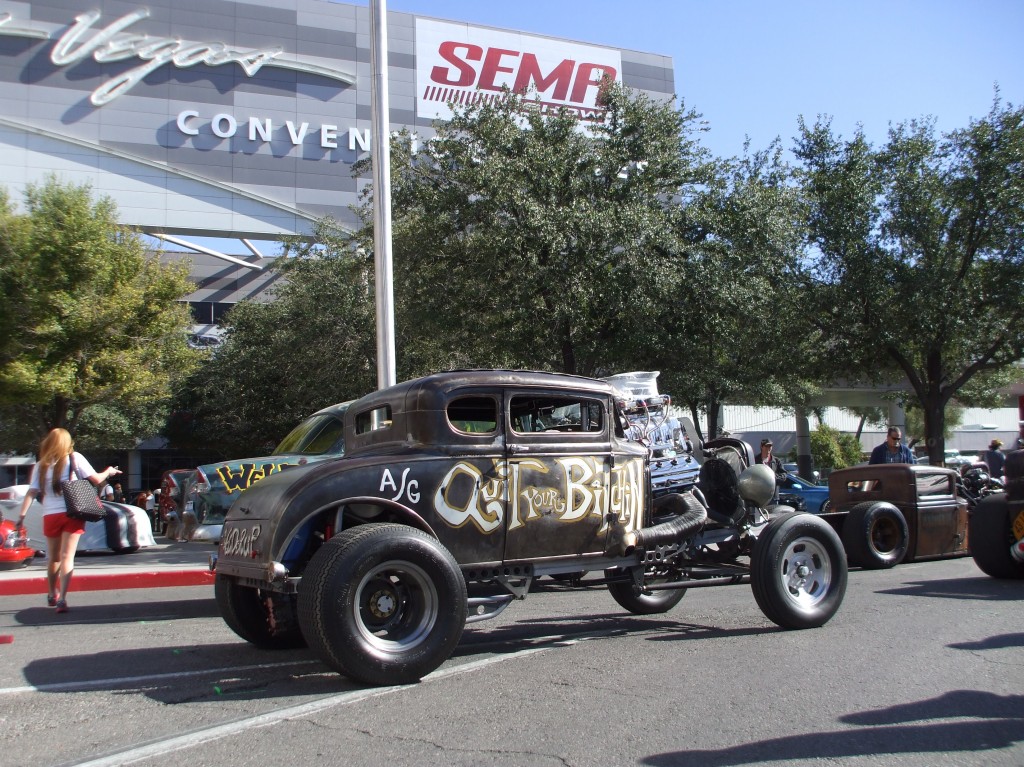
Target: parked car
125	528
897	512
792	468
458	489
211	489
814	496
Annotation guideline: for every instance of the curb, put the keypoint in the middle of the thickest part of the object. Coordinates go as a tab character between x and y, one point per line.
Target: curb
111	581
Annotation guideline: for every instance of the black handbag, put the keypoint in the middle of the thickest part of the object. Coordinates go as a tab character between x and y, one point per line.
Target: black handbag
80	498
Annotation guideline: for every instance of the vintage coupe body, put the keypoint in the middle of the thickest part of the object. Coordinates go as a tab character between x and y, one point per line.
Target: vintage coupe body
892	513
458	489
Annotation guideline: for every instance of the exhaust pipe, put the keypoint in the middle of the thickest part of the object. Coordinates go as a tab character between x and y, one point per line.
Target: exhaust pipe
688	517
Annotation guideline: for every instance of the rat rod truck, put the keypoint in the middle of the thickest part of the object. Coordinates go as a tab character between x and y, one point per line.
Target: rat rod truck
458	489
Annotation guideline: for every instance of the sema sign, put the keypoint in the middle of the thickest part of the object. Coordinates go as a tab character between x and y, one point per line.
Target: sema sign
465	64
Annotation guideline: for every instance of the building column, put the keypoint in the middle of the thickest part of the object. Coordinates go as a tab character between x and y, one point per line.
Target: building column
134	475
898	416
804	459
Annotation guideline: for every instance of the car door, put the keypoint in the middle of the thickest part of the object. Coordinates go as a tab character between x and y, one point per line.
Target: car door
941	518
559	472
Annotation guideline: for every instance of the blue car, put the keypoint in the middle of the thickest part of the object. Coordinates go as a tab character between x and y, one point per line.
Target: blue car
814	496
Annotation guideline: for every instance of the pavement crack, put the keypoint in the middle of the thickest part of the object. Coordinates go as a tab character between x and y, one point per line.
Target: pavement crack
519	755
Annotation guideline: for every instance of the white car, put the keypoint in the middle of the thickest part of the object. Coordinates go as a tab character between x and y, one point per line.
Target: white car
126	530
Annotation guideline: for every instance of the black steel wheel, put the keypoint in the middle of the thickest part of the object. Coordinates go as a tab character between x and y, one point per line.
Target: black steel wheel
990	535
875	535
383	604
262	618
645	602
798	571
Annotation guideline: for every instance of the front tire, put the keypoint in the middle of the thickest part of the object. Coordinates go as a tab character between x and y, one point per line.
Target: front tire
383	604
646	602
798	571
262	618
876	536
990	535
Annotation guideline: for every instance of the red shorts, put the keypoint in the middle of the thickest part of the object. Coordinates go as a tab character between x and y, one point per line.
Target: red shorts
55	524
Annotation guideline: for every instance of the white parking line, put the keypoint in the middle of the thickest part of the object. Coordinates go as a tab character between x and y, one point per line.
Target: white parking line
179	742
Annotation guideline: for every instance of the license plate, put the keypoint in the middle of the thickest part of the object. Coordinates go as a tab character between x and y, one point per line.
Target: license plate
1018	526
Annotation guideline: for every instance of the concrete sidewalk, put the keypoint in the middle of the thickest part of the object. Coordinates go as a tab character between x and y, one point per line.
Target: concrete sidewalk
166	564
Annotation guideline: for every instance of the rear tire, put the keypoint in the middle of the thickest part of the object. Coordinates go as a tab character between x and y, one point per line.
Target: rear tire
989	537
875	535
383	604
798	571
262	618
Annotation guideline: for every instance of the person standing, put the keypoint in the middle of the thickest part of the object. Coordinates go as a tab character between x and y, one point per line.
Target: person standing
773	462
118	493
995	459
56	457
892	450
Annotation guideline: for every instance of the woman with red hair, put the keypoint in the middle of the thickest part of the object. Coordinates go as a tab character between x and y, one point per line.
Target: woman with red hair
57	462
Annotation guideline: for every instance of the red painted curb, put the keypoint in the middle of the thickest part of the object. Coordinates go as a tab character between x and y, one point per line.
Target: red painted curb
111	581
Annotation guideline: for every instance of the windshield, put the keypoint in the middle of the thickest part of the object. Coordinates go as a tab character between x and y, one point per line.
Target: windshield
316	435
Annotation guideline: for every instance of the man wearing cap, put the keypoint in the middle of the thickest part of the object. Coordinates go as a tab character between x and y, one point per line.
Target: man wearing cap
774	463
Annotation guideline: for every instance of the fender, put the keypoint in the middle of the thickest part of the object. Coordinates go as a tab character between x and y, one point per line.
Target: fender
295	538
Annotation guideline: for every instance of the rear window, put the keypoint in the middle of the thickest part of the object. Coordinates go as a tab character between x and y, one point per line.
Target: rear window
374	420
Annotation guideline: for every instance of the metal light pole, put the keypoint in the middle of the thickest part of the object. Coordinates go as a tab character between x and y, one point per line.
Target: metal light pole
380	148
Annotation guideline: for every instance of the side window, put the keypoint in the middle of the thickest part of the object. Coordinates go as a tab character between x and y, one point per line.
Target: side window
532	414
933	485
473	415
372	420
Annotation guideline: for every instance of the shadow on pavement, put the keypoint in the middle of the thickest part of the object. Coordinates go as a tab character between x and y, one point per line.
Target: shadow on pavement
996	722
981	587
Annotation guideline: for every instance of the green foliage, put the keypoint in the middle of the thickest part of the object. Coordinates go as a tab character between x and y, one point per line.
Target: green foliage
89	324
737	327
917	252
527	239
834	449
283	360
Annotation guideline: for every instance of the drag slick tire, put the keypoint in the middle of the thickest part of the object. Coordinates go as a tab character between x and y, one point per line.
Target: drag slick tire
798	571
262	618
646	602
383	604
875	535
990	536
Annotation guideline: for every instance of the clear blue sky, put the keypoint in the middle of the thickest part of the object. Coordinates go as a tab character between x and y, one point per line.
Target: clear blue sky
752	68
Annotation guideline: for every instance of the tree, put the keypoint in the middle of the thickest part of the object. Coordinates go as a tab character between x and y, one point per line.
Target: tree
736	328
834	449
528	238
917	249
93	332
313	346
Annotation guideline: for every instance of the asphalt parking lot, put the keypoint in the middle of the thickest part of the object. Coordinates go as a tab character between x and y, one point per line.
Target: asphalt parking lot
922	664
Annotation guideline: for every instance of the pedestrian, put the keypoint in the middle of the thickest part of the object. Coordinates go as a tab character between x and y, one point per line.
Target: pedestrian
995	459
56	456
118	496
773	462
892	450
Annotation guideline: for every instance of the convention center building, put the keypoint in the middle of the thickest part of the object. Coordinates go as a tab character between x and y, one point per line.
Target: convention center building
239	121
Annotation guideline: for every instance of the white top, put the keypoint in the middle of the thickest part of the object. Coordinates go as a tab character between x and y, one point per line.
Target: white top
53	503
